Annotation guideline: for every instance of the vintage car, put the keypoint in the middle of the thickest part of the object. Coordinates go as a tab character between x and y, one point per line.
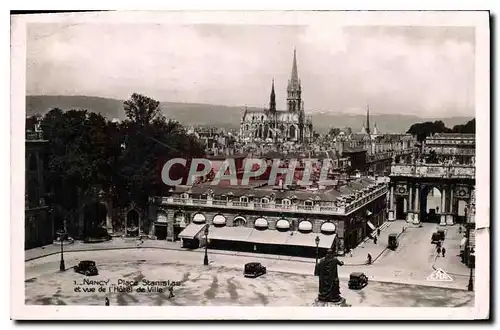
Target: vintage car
392	242
254	269
357	280
442	234
436	238
87	268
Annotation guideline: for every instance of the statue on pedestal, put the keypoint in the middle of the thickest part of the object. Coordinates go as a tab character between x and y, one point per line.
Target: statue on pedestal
327	269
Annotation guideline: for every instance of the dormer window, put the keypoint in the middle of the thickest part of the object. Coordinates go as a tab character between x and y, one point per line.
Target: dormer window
286	202
184	196
244	199
309	203
264	200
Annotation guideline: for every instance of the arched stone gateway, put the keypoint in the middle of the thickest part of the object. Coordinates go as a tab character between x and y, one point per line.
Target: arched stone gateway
133	223
430	192
95	215
160	225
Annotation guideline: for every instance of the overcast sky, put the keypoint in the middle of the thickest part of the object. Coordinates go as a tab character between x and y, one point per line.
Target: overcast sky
426	71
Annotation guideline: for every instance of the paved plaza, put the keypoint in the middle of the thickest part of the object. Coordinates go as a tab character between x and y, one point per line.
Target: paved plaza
397	278
218	285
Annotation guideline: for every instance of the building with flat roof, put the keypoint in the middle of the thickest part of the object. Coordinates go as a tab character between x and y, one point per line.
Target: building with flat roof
269	219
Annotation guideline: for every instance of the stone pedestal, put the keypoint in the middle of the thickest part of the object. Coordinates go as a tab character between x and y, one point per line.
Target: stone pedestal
409	217
392	215
443	220
450	219
341	303
416	218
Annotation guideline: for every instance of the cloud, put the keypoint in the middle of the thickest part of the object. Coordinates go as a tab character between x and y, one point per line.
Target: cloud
427	71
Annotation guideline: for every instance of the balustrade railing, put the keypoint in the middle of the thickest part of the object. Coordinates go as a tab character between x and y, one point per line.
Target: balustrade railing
342	208
434	170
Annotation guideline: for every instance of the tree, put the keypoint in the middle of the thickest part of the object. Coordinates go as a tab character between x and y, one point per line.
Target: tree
80	158
423	130
141	110
468	128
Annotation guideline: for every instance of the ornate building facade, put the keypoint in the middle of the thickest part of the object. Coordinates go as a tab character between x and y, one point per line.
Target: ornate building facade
272	125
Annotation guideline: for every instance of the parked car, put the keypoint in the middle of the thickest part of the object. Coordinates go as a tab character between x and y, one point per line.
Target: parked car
87	268
436	238
392	241
254	269
358	280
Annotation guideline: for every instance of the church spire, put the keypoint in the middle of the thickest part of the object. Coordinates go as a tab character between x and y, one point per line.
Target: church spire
294	100
272	101
367	119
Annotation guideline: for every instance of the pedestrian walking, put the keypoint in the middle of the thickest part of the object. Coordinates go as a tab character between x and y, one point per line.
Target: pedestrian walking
171	291
369	259
443	251
106	301
378	231
439	250
375	239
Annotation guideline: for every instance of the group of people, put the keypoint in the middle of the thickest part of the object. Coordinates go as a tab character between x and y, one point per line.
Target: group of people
440	250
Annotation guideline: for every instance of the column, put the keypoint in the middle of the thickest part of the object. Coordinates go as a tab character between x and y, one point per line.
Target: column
443	207
392	210
416	210
409	215
450	216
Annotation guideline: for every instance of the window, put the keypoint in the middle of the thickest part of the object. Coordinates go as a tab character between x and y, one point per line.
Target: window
309	203
264	200
239	221
185	196
286	202
244	199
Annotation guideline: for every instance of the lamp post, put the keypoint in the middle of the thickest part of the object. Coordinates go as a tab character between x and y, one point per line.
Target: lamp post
205	260
470	287
61	234
317	254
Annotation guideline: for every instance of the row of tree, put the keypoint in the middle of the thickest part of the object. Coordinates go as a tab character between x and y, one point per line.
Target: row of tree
423	130
87	153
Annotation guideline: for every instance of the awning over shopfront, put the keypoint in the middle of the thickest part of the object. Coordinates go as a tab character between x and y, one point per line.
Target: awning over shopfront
191	231
371	225
268	237
309	239
239	234
463	242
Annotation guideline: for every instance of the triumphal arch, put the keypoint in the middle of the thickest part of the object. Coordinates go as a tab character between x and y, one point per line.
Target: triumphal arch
441	174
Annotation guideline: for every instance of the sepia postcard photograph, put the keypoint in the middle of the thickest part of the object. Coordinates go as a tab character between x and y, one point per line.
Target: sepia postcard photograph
232	165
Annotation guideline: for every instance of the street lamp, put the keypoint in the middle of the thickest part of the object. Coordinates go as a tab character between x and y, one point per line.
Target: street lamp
470	287
61	234
317	253
205	260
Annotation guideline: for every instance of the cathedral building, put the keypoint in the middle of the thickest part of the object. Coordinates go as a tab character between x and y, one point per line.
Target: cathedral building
272	125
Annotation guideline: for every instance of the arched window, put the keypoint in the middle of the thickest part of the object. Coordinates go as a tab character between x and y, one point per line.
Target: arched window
305	226
239	221
292	132
264	200
261	223
282	225
161	217
199	218
244	199
328	228
219	220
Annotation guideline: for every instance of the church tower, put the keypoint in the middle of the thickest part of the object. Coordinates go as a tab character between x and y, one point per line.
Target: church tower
294	90
272	100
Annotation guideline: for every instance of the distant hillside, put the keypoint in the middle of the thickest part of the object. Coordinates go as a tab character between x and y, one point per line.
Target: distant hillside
225	116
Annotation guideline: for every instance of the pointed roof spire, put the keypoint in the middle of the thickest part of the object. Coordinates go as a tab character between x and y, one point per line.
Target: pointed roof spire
294	82
368	119
272	101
